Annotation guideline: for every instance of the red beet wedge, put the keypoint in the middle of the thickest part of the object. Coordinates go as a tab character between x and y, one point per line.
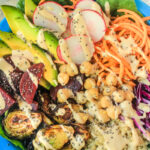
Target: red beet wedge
29	82
6	101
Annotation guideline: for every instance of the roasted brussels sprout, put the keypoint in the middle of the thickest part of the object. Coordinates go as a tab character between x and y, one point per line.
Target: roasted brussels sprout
17	124
62	114
54	137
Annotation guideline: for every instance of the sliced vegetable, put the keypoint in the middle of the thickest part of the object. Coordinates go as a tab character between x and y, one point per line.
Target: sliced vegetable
30	6
29	82
17	124
50	72
26	31
6	101
88	4
51	15
4	49
77	47
95	24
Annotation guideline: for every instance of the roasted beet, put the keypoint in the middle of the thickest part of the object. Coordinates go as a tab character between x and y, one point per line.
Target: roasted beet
16	77
73	84
29	82
4	84
6	101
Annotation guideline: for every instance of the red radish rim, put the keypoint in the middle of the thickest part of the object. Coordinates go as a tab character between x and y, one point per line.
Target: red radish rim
48	2
59	54
79	2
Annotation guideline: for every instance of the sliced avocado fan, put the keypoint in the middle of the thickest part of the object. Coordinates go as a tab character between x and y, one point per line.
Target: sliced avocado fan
15	43
21	26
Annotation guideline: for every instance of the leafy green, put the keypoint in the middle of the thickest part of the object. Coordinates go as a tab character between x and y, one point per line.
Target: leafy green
21	3
15	142
119	4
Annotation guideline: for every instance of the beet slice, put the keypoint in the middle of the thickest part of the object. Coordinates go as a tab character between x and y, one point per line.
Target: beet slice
6	101
29	82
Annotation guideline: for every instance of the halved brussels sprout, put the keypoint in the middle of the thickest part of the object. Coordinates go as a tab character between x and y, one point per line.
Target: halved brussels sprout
62	114
17	124
54	137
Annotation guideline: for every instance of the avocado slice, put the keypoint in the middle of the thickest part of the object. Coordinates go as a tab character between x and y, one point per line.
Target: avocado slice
4	49
50	73
29	8
21	26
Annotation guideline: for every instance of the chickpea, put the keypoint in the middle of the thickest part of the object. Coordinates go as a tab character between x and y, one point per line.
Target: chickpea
89	83
118	96
81	98
111	80
63	68
86	68
103	116
63	95
129	95
113	112
92	94
63	78
108	90
72	69
105	101
81	117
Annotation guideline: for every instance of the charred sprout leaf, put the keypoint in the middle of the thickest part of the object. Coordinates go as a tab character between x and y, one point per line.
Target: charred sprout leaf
53	137
18	125
15	142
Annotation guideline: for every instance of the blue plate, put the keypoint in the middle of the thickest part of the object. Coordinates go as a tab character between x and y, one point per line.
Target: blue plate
142	7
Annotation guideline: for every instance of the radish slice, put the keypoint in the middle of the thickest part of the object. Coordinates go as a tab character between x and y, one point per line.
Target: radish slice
76	49
52	16
94	22
89	4
59	54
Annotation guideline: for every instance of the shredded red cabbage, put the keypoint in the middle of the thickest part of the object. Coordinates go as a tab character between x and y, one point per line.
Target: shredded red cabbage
142	93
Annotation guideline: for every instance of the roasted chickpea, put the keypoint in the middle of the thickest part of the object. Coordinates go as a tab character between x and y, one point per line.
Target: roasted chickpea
103	116
111	80
113	112
89	83
129	95
105	102
81	117
86	68
92	94
108	90
63	95
81	98
118	96
63	68
72	69
63	78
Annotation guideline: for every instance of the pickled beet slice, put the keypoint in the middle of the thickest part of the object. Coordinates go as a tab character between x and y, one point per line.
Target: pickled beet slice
29	82
6	101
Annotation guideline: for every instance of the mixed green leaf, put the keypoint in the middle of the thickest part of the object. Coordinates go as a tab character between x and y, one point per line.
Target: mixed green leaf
119	4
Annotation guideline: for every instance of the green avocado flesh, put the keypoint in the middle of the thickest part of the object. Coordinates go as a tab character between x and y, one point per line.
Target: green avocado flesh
4	49
29	8
50	73
20	26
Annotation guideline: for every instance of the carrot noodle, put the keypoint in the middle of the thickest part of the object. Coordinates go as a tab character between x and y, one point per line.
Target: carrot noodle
129	24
